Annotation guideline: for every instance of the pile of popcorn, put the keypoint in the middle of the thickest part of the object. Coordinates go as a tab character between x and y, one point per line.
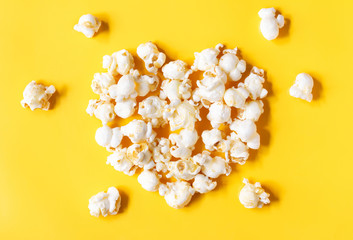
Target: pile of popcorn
168	97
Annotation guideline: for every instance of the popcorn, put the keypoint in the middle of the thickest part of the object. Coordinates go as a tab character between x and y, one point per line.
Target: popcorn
253	195
119	62
153	58
302	87
161	154
149	180
125	108
246	130
253	83
236	97
177	194
121	163
270	25
214	167
231	64
185	142
138	131
146	84
105	203
175	90
203	184
219	113
124	89
151	109
207	58
235	150
37	95
183	115
184	169
140	155
101	83
176	70
211	138
108	137
252	111
103	110
88	25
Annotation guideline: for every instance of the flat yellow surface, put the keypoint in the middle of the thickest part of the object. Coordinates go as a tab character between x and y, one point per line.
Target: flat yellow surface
50	164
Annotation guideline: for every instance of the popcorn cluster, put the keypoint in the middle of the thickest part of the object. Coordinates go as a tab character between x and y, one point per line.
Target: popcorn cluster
168	97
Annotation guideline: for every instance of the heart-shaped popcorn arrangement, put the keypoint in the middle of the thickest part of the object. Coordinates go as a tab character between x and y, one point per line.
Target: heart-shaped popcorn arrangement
173	164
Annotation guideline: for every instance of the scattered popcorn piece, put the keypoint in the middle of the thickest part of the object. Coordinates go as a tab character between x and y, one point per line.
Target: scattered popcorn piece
235	150
101	83
184	169
125	108
176	70
269	24
253	195
103	110
124	89
219	113
177	194
105	203
161	154
153	58
149	180
253	83
236	97
184	115
246	130
138	131
252	110
185	142
203	184
108	137
140	155
207	58
214	167
37	95
121	163
146	84
119	62
88	25
231	64
175	90
211	138
151	109
302	87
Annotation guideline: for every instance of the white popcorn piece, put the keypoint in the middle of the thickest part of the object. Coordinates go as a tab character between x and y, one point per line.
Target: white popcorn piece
269	24
37	95
214	167
101	83
88	25
236	97
108	137
302	87
105	203
235	150
103	110
151	109
184	115
207	58
252	111
125	108
203	184
253	195
246	130
146	84
254	84
184	169
201	158
161	154
140	155
121	163
153	58
120	62
175	90
219	113
232	65
138	131
176	70
177	194
149	180
211	138
185	139
124	89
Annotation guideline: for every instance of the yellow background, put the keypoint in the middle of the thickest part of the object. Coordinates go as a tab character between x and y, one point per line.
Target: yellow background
50	164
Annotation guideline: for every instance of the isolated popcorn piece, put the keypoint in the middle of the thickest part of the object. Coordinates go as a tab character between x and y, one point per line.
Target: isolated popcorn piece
124	89
207	58
175	90
103	110
254	84
161	154
184	169
236	97
269	24
246	130
177	70
138	131
140	155
149	180
214	167
105	203
253	195
251	111
203	184
120	62
118	159
302	87
37	95
232	65
184	141
108	137
146	84
235	151
211	138
177	194
219	113
153	58
101	83
183	115
88	25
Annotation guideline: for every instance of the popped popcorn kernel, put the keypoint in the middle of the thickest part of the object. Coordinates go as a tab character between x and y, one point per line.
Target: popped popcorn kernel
270	24
153	58
253	195
302	87
177	194
37	95
88	25
105	203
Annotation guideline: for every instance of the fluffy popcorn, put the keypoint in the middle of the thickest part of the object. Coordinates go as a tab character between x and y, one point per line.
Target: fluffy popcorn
253	195
214	167
121	163
235	150
153	58
253	84
119	62
151	109
207	58
236	97
149	180
146	84
203	184
105	203
175	90
211	138
219	113
302	87
88	25
140	155
232	65
108	137
124	89
177	194
138	131
184	169
269	24
125	108
101	83
176	70
102	110
161	154
37	95
246	130
252	111
186	138
184	115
